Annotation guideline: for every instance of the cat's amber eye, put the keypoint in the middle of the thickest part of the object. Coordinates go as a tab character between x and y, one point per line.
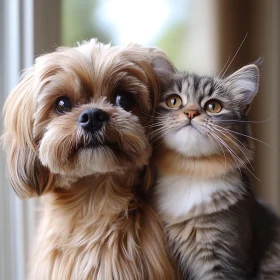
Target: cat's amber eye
213	106
174	101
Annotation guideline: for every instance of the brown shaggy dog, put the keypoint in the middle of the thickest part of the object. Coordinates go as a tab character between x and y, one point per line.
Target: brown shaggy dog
75	133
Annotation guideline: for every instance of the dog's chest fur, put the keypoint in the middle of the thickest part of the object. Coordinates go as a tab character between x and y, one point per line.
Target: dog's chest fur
98	233
200	223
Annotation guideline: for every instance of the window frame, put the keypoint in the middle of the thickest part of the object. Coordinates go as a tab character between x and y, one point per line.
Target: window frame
25	31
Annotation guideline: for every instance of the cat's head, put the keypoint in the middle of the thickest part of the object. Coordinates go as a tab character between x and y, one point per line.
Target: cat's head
203	116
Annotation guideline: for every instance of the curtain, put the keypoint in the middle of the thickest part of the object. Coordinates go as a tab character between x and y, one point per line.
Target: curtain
261	20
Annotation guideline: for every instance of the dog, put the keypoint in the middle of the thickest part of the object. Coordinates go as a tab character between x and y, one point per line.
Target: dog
76	133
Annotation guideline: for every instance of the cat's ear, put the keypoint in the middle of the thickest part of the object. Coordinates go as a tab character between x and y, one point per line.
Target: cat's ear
164	68
243	84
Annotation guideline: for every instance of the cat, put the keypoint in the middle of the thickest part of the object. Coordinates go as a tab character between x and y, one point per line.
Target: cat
216	227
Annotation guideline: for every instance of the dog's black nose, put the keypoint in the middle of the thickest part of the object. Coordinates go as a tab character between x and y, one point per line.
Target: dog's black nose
93	119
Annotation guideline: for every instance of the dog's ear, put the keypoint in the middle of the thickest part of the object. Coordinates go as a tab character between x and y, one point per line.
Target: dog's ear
163	67
26	174
156	66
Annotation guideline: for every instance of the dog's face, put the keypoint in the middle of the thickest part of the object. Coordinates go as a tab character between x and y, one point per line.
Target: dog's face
78	112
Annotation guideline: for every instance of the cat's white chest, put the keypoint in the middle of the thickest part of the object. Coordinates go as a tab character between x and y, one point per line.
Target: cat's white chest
177	195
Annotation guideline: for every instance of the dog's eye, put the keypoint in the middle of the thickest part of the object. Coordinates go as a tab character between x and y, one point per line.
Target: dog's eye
63	105
125	100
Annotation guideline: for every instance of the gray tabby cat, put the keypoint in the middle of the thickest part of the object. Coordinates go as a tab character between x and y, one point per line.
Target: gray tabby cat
216	227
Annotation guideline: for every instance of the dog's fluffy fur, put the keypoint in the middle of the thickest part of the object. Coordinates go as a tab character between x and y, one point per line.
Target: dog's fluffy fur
94	224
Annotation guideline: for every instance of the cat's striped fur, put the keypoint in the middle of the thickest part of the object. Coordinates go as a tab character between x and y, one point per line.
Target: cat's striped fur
216	227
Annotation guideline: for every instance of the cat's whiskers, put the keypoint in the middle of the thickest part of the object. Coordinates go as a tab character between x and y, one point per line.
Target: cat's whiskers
249	152
159	122
243	163
159	113
213	126
234	56
224	67
218	130
216	141
237	157
160	135
234	156
234	153
147	115
262	121
224	72
154	125
237	145
238	142
161	125
157	129
160	132
245	135
229	150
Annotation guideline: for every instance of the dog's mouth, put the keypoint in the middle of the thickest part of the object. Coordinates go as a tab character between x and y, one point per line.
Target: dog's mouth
95	144
92	145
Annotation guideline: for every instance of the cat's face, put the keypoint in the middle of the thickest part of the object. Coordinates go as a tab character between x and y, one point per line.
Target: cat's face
201	116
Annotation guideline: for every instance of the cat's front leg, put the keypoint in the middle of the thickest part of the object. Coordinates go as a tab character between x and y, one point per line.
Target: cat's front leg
214	267
215	246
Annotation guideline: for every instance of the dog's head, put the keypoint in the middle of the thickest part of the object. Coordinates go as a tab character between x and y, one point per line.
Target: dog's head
78	112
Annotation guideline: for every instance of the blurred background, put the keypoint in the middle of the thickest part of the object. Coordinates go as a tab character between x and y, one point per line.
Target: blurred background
198	35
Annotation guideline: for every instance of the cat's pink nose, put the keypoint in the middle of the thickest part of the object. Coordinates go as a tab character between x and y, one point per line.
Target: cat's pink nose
191	113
